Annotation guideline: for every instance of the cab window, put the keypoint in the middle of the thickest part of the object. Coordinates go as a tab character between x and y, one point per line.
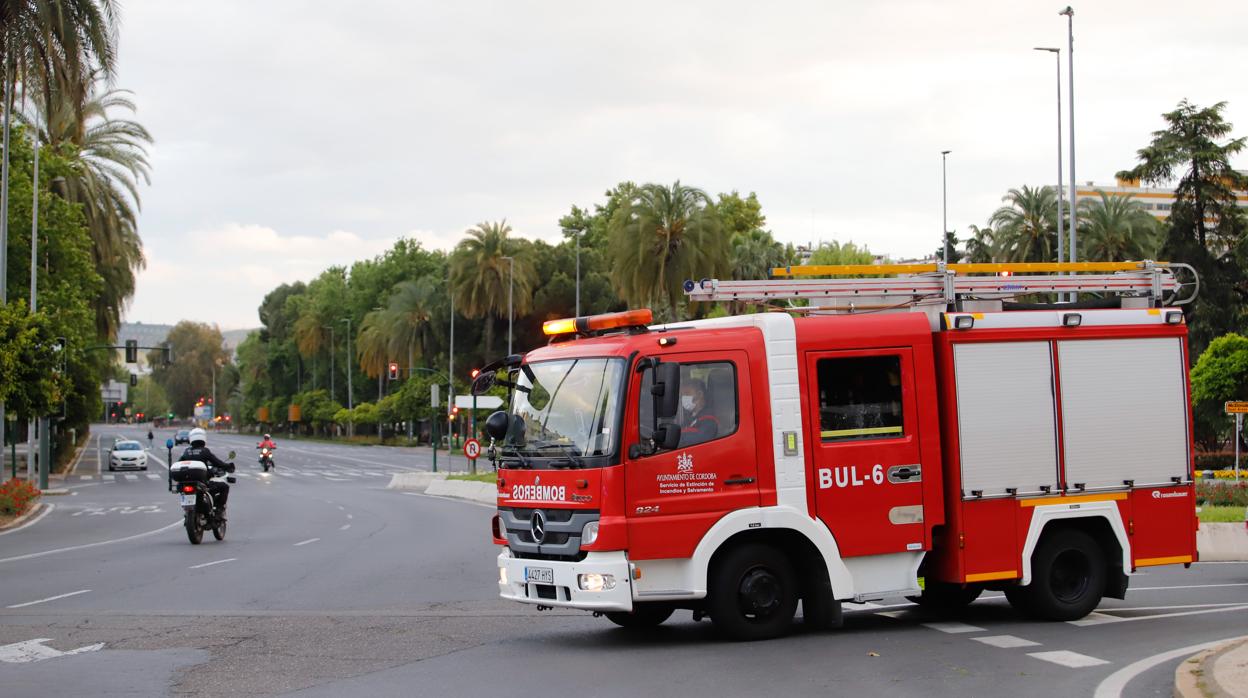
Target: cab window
860	398
708	403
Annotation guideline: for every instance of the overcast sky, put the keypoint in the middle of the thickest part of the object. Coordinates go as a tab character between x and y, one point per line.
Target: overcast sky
292	135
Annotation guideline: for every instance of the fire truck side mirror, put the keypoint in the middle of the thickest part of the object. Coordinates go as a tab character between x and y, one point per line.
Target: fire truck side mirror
496	425
666	390
667	437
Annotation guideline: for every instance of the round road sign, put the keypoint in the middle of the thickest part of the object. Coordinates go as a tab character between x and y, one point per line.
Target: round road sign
472	449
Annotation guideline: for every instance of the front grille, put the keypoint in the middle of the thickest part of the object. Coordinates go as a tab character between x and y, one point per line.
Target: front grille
563	533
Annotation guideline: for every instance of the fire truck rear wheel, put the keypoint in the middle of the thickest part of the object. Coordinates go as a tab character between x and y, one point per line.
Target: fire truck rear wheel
753	593
1067	578
643	616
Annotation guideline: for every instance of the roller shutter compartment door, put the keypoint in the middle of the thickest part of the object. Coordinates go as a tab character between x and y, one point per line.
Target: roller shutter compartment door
1007	434
1124	411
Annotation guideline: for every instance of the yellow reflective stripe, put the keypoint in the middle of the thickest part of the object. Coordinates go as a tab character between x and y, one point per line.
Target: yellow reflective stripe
859	432
989	268
1076	499
989	576
1152	561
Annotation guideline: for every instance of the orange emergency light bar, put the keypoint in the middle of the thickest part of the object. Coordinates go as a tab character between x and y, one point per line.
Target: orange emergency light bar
594	323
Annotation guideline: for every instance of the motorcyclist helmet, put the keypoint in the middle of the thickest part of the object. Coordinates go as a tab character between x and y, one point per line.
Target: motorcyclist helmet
198	437
266	437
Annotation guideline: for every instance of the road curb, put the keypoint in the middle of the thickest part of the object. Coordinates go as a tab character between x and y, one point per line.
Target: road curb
21	520
418	482
1218	672
483	492
1222	542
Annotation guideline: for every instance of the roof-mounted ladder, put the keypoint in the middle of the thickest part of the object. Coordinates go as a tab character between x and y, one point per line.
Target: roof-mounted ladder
911	284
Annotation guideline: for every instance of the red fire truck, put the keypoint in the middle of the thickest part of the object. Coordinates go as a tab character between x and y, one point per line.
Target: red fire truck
919	434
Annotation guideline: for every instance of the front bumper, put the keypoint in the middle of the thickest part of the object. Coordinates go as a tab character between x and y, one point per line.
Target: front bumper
566	591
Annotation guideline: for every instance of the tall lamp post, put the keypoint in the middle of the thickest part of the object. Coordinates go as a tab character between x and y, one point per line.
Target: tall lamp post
577	233
31	428
332	392
1061	233
944	196
350	396
1069	13
511	285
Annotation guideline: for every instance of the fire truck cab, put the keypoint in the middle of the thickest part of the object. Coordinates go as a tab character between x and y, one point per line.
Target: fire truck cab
739	465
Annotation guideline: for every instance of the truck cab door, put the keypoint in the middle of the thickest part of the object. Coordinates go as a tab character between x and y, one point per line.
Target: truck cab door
864	434
675	496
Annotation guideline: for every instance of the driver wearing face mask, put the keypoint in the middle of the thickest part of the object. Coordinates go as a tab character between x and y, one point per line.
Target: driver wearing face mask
699	424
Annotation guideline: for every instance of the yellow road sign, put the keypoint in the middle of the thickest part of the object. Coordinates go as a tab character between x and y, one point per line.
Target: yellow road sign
1233	407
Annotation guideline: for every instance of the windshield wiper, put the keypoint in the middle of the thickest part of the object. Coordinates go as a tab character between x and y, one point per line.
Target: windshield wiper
568	450
524	462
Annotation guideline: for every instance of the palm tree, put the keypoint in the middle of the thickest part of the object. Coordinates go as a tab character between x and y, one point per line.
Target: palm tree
407	316
755	254
661	237
112	161
47	42
979	246
1117	228
371	344
1024	230
481	276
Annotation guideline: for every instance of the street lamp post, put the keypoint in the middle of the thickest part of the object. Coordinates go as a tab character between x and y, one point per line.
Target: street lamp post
1061	233
31	429
511	284
1069	13
577	231
944	196
350	397
332	392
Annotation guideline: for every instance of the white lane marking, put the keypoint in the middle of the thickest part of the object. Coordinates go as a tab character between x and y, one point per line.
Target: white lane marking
448	499
130	477
84	546
327	454
86	477
47	509
336	479
1066	658
341	508
864	606
349	517
1094	618
210	564
153	476
36	651
1112	685
1005	641
50	598
305	542
1189	586
954	628
891	614
1221	609
344	527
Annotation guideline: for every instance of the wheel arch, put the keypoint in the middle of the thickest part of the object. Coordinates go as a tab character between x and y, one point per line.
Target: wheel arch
1100	520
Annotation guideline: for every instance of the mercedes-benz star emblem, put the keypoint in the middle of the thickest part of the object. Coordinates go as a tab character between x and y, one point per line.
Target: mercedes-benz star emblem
537	525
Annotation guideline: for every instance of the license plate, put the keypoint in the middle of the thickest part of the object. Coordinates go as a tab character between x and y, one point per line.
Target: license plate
188	500
539	575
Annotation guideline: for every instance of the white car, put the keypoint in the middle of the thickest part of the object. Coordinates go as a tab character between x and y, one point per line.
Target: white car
127	454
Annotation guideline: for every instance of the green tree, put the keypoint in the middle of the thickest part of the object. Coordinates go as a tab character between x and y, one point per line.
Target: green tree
1206	227
662	236
1220	374
980	245
836	253
951	241
481	276
198	352
740	216
1117	229
1024	230
755	254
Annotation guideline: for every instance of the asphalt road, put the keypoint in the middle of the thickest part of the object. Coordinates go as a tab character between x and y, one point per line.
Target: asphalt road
329	584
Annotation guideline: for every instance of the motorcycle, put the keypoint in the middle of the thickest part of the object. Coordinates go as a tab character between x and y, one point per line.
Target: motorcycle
200	511
266	459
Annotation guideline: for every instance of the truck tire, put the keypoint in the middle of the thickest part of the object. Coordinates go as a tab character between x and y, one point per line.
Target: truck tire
753	593
1067	578
941	596
642	616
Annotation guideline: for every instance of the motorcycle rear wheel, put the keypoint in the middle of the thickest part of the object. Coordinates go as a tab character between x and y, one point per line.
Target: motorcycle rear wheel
194	531
219	531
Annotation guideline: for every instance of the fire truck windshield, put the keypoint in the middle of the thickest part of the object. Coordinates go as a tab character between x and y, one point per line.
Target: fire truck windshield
566	410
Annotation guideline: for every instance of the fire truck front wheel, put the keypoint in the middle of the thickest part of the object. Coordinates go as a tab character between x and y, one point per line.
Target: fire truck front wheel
1068	578
753	593
643	616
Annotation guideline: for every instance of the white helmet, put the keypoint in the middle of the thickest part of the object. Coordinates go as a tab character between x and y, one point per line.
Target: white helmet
198	436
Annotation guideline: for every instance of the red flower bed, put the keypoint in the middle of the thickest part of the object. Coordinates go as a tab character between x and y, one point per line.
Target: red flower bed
16	496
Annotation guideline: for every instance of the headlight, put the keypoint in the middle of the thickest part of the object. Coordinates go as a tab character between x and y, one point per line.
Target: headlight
589	534
502	575
595	582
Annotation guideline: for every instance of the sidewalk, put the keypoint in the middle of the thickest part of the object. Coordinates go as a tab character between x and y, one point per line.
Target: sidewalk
1220	672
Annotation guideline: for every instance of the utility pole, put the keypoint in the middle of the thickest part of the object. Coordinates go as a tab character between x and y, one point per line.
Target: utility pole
450	386
332	392
944	208
1069	13
511	285
578	275
4	232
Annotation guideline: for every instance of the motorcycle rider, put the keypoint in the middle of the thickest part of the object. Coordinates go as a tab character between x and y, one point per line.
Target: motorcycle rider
267	443
198	451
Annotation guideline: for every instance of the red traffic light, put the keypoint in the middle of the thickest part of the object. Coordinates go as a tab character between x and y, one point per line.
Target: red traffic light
393	370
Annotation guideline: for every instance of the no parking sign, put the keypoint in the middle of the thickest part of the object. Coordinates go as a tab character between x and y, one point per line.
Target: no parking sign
472	449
